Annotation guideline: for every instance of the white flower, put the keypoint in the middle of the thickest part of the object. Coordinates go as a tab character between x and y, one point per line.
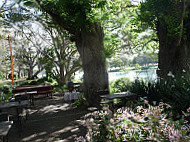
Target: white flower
154	102
170	74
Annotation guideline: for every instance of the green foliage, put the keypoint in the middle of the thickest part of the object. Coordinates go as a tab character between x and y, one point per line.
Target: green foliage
115	18
144	123
137	67
122	32
46	62
167	12
173	91
10	76
2	75
82	13
145	59
116	62
44	80
6	93
139	87
5	89
120	85
81	102
111	43
59	89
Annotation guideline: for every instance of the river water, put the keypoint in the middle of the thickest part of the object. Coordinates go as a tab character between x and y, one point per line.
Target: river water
134	74
148	75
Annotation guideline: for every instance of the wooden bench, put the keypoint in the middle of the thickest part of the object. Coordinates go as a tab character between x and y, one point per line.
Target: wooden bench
4	129
45	91
25	96
5	126
14	109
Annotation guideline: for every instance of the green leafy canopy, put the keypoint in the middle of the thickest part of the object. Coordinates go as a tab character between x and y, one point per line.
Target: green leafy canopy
75	13
167	12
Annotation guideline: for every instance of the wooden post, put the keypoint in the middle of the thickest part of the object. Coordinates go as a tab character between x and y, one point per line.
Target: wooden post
11	61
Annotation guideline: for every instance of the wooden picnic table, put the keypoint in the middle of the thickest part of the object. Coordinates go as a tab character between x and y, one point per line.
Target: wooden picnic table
8	105
13	108
124	96
31	90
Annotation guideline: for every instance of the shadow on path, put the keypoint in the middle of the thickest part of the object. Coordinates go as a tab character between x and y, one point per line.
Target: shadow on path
51	120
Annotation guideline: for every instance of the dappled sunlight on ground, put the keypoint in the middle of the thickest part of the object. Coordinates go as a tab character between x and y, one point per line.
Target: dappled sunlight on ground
51	120
54	108
33	136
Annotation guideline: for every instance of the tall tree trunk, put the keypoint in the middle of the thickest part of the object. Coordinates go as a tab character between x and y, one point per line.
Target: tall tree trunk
89	41
91	48
174	59
174	50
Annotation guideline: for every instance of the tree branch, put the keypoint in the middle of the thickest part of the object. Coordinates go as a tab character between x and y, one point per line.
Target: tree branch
67	25
3	6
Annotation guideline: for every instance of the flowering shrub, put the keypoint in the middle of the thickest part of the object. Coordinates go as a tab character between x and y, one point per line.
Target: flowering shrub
175	92
144	123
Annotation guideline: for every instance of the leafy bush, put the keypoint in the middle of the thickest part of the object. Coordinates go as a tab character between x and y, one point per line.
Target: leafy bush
10	76
2	75
142	124
57	88
39	81
120	85
137	67
175	92
5	93
139	87
81	102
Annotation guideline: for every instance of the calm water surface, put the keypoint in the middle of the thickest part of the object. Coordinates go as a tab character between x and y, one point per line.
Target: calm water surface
149	74
134	74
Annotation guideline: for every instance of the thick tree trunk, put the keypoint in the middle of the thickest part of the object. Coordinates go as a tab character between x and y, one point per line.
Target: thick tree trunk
89	41
174	51
91	48
172	58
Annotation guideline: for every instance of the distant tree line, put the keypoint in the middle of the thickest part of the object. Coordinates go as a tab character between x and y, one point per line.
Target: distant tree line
144	59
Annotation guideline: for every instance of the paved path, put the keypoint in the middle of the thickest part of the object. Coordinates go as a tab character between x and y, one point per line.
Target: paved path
51	120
